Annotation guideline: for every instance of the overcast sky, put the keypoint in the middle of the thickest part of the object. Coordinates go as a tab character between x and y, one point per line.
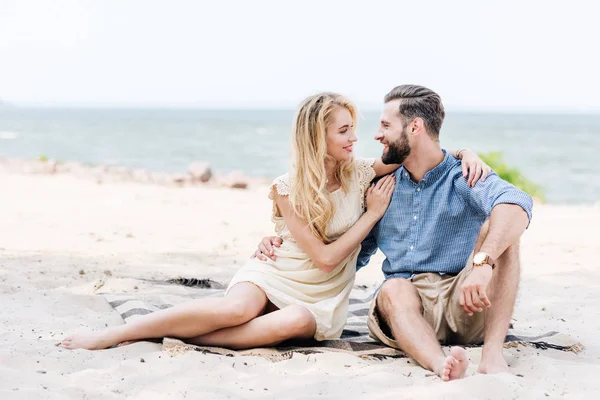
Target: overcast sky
479	55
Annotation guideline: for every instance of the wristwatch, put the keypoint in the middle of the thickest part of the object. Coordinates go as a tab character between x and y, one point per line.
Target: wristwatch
482	258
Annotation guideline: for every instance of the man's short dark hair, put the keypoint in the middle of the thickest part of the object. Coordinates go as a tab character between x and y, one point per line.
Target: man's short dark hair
418	101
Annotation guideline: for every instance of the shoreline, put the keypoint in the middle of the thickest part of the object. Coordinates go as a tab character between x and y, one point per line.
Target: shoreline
199	173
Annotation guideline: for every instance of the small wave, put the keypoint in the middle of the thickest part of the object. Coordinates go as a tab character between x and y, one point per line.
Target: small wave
8	135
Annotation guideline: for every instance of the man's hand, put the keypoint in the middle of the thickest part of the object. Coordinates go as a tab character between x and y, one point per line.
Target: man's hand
265	248
473	295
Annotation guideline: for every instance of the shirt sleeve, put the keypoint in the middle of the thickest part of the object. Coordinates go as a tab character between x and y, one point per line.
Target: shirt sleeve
367	249
486	195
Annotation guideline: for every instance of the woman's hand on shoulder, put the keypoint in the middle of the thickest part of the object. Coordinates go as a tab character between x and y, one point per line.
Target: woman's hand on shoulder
473	167
379	196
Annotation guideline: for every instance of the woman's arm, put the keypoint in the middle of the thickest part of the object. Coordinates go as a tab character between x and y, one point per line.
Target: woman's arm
472	165
382	169
328	256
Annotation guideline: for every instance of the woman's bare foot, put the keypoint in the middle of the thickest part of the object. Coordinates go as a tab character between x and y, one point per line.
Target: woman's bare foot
493	365
89	340
455	365
127	343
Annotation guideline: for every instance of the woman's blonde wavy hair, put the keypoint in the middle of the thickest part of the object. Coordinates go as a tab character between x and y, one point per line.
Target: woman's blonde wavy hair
309	195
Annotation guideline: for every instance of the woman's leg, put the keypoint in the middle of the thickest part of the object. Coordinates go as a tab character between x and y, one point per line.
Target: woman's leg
291	322
244	302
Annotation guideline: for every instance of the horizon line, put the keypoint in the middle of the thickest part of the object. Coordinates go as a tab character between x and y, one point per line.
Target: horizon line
369	108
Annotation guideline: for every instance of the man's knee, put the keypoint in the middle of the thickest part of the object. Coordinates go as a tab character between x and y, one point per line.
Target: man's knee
398	295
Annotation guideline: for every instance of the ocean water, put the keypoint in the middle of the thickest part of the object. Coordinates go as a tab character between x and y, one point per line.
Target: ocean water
559	152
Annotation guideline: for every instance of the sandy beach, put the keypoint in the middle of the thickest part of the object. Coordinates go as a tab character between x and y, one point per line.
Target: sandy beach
64	237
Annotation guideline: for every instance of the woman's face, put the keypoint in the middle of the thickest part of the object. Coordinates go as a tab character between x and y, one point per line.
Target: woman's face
340	135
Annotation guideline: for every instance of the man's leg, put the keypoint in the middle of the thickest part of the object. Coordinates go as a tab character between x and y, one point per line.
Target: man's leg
502	292
399	304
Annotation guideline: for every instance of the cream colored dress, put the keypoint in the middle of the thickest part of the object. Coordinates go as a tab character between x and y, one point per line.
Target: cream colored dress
294	279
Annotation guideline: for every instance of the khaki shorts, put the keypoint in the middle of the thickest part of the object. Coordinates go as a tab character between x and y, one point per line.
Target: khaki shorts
440	296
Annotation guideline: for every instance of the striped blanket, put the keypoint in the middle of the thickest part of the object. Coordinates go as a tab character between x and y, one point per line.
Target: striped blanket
355	337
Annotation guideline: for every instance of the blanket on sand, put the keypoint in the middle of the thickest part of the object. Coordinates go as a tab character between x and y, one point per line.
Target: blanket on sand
355	337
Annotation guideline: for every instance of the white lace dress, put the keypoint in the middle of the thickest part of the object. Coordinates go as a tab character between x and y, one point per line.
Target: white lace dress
294	279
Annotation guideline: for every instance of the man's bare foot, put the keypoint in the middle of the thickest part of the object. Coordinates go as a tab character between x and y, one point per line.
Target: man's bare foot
493	365
88	340
455	365
462	362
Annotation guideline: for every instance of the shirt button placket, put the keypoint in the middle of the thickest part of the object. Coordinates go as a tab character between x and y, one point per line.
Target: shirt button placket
413	228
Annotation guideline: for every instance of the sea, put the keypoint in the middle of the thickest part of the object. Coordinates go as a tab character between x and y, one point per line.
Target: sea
559	152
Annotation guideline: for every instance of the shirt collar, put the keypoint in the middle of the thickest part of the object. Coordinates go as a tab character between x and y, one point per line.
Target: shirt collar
431	175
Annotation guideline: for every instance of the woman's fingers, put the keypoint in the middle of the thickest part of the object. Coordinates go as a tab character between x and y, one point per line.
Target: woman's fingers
386	184
486	171
383	182
391	188
475	171
478	174
263	249
471	175
266	246
259	255
266	251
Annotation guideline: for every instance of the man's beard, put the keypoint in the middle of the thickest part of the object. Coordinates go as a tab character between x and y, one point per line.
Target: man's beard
398	151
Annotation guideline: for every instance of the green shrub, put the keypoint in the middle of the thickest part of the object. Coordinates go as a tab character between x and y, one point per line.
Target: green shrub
512	175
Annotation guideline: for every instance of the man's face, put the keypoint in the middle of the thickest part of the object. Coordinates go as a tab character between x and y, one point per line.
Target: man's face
393	135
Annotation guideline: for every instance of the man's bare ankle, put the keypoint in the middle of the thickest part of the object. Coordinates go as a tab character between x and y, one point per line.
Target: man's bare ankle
492	360
492	352
493	366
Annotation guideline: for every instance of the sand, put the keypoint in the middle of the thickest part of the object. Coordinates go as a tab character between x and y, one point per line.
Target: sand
64	238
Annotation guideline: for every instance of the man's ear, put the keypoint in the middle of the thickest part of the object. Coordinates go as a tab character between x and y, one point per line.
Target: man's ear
417	126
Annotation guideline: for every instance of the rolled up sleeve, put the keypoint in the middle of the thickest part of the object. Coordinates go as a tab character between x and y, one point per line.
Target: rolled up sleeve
487	195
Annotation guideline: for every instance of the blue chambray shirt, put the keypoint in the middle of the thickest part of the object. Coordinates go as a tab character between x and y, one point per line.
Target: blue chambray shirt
432	225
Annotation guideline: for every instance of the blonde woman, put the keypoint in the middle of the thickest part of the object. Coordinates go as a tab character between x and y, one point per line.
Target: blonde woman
319	209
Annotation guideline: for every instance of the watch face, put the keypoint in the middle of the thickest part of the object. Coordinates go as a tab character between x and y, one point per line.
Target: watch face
479	258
